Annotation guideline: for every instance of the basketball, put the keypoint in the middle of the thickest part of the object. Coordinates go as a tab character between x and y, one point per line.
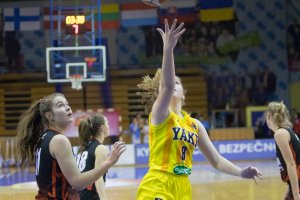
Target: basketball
154	3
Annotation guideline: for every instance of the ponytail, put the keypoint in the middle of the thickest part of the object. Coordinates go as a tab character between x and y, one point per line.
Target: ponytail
149	88
28	133
280	113
84	130
89	128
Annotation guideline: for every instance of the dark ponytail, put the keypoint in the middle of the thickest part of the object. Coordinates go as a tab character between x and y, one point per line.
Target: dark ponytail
28	133
89	128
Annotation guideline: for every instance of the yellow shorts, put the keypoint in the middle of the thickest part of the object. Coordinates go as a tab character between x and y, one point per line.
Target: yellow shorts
157	185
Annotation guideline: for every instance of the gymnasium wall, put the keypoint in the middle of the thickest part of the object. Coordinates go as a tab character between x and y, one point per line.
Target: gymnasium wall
267	19
138	154
238	150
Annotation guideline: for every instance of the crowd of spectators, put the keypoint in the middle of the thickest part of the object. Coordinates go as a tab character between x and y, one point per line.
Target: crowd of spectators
11	57
138	129
241	89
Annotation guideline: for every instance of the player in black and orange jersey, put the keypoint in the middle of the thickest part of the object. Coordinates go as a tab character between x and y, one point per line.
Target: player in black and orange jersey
40	139
287	147
92	153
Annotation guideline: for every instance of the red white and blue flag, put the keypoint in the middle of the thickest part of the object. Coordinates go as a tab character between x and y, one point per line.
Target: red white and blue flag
183	11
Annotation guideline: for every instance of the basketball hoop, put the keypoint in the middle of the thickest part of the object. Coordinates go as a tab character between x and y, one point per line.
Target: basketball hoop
76	81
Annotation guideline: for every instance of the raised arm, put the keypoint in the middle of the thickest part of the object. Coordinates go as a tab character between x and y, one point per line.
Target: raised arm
218	161
282	138
160	109
61	150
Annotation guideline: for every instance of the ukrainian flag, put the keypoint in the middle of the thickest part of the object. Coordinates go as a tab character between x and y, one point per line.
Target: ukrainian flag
216	10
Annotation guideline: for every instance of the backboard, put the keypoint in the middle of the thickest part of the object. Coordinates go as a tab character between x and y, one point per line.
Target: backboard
87	61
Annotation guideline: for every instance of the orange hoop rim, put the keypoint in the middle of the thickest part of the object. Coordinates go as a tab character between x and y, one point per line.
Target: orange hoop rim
76	76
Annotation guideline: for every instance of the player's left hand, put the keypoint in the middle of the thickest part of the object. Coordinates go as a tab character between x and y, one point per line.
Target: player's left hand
251	173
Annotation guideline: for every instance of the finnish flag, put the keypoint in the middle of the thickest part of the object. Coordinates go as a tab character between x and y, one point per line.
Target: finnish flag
22	19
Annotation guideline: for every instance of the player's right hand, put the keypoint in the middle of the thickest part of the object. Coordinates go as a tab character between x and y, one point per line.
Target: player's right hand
170	35
117	149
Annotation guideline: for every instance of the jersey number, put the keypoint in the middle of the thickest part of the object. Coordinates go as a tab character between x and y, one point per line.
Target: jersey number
81	160
183	152
37	160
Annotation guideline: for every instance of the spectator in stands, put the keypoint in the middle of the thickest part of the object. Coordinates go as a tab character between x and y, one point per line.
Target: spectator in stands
92	153
269	83
173	134
259	96
242	98
12	49
220	98
287	147
135	131
224	37
40	136
256	78
212	36
2	60
205	123
297	124
140	120
152	48
145	132
247	83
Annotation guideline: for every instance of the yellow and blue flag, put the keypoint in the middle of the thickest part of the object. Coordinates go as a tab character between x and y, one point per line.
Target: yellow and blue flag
216	10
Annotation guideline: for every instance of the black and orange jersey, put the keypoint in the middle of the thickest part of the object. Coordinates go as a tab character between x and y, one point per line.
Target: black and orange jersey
86	161
51	182
295	148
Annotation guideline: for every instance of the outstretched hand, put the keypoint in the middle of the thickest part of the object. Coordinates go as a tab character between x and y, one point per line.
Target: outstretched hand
171	35
251	173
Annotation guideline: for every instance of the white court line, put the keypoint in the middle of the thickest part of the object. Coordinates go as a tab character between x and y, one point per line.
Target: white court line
11	173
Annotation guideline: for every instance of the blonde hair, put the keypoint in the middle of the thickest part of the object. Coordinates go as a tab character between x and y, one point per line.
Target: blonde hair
150	89
280	113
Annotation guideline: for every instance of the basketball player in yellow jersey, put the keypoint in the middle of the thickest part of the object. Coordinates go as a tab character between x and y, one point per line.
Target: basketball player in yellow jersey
173	134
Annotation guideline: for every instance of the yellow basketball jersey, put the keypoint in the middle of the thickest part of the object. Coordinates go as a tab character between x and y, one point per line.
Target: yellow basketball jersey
172	144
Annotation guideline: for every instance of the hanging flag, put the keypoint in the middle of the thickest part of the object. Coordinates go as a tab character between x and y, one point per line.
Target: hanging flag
22	19
55	18
216	10
138	14
183	11
110	16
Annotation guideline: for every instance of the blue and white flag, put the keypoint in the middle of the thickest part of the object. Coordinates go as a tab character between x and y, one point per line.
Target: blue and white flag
22	19
138	14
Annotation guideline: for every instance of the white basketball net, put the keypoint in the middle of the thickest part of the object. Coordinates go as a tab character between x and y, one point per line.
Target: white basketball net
76	81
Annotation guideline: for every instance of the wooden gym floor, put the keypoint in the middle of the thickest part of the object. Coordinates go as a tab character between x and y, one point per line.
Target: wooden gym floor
122	183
